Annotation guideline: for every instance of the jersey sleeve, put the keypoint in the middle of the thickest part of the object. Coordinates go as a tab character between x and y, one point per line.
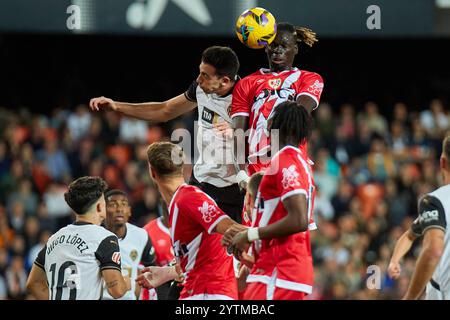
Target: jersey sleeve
291	178
40	259
311	86
241	102
108	253
431	215
204	210
148	255
191	92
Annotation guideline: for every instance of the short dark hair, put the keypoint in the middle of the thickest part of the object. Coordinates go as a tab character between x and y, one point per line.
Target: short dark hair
114	192
84	192
166	158
254	182
293	122
224	59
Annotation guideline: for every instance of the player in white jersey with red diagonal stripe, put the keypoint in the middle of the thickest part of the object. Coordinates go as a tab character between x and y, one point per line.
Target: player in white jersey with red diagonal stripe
283	267
196	224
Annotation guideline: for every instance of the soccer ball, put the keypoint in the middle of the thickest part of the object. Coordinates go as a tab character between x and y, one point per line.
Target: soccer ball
256	28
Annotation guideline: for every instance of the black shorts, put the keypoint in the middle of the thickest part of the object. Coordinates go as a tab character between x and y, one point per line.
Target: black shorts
230	199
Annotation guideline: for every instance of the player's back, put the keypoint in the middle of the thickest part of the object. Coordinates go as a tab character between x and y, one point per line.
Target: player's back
74	258
207	266
440	212
289	174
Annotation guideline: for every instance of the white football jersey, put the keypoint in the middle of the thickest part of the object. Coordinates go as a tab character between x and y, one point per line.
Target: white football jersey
434	212
215	162
135	247
73	259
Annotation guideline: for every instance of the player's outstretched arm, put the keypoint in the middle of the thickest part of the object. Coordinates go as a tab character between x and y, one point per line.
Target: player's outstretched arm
152	277
432	248
37	283
402	247
116	284
150	111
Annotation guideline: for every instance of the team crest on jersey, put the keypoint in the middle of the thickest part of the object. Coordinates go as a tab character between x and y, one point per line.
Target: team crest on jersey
208	211
133	254
116	257
290	177
275	83
316	88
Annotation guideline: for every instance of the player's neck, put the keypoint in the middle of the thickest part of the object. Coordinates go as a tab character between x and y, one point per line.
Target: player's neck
168	187
278	68
225	90
446	177
119	231
88	218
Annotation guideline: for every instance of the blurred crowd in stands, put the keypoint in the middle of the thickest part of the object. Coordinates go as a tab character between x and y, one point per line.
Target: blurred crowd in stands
370	170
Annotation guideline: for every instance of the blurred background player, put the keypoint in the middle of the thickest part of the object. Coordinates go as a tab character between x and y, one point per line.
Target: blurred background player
79	256
196	224
432	266
283	268
135	244
211	93
158	231
256	97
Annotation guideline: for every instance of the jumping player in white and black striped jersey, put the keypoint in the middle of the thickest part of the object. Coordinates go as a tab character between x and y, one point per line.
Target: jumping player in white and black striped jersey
433	264
79	257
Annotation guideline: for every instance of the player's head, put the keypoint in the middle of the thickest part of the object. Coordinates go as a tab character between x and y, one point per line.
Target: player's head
118	209
252	190
283	49
218	69
293	123
86	197
165	160
445	156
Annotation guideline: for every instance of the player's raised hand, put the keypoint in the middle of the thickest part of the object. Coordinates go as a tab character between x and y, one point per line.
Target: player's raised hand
394	270
102	103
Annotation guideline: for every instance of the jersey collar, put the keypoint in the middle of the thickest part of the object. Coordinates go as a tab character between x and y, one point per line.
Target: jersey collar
267	71
81	223
174	195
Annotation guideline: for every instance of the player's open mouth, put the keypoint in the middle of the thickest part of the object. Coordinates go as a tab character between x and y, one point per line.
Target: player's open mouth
120	218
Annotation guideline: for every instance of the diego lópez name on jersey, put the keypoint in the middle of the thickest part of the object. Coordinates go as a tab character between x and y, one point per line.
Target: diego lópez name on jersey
73	259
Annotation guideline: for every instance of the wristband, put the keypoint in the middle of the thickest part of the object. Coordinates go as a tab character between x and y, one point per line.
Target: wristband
252	234
242	178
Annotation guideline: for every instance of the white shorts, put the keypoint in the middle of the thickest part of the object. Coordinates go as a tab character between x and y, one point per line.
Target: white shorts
431	293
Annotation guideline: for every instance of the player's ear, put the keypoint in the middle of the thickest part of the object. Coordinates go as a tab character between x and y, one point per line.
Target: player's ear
443	163
225	80
151	171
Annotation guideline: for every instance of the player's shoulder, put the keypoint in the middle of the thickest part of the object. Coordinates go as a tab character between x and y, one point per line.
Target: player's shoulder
249	79
309	74
440	193
150	225
138	231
